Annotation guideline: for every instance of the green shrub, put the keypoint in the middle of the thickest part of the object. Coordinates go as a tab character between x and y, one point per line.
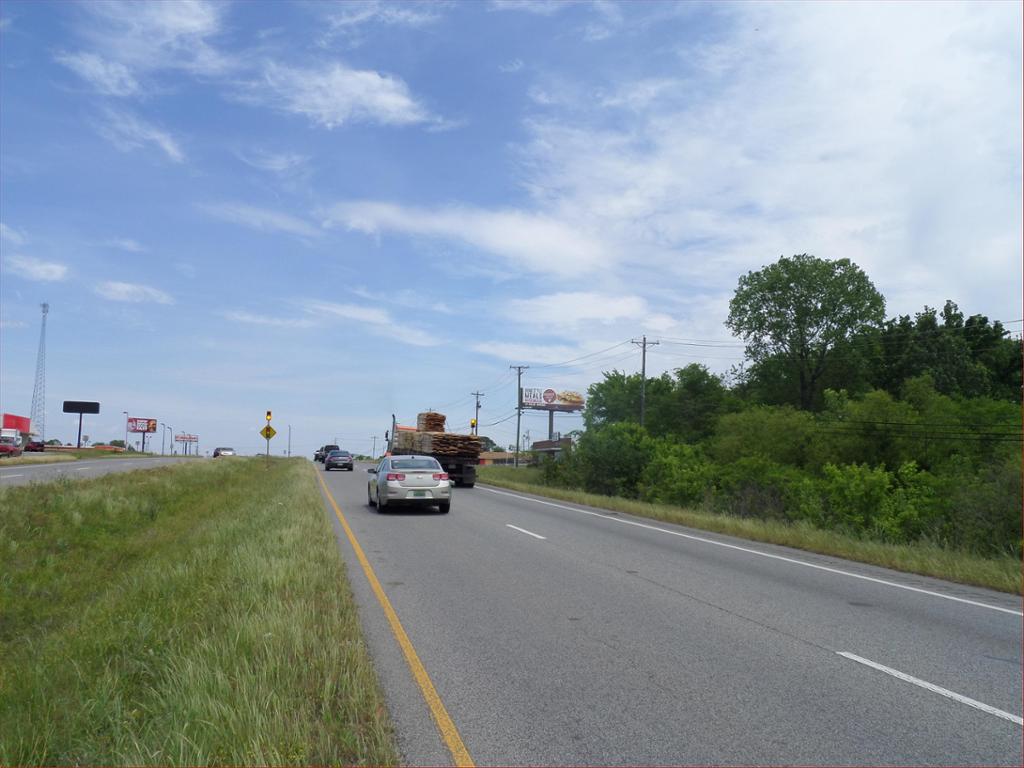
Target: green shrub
912	509
781	434
612	459
854	495
754	486
677	474
985	508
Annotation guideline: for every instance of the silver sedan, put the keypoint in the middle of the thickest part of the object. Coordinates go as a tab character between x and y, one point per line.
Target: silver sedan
411	480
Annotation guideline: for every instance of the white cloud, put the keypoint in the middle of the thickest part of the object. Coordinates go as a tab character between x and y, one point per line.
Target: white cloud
132	292
813	128
35	269
335	95
570	313
281	163
110	78
127	244
8	324
152	36
127	132
377	320
240	316
531	242
536	7
11	235
403	297
262	219
411	14
511	66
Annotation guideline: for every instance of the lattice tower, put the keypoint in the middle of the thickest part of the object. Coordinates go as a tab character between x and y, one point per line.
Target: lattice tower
39	391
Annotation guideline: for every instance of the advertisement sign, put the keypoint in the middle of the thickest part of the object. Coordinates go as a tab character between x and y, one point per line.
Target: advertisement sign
81	406
541	399
186	438
20	423
141	425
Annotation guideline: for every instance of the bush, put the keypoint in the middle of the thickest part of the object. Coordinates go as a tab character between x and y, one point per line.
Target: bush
984	513
781	434
612	459
854	495
758	487
677	474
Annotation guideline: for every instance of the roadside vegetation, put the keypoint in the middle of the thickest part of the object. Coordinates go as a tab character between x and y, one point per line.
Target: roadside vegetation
896	441
195	614
51	456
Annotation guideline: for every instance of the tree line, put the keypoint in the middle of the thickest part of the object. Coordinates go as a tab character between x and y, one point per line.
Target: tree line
899	429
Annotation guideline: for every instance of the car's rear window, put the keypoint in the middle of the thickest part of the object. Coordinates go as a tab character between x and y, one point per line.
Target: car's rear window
339	453
414	464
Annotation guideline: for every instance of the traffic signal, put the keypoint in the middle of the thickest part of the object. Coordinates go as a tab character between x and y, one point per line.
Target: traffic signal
472	423
268	415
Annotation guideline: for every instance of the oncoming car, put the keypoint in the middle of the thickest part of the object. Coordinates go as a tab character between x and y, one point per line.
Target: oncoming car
223	452
409	480
339	460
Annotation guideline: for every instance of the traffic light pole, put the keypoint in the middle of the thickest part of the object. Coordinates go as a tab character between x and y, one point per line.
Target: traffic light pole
476	421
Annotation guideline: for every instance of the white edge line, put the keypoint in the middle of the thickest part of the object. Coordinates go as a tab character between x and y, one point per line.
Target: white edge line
9	475
763	554
933	688
523	530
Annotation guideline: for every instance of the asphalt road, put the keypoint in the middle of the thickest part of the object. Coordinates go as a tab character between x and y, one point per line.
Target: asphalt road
620	640
23	474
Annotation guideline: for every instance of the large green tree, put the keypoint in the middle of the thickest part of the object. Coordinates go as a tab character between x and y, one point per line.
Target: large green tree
800	309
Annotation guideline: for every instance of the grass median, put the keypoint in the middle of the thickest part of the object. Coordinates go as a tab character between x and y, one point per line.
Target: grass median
999	573
190	615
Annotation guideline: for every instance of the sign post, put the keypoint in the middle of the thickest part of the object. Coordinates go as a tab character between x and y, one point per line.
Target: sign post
80	407
268	432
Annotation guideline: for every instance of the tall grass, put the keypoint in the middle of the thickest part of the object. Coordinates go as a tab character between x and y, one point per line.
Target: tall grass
1000	573
196	614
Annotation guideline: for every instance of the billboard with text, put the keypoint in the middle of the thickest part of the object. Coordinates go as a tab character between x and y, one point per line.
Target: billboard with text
141	425
541	399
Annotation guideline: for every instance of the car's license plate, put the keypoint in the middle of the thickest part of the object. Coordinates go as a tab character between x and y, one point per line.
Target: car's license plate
419	493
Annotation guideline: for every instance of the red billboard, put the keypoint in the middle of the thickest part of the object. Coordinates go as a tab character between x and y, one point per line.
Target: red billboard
21	423
141	425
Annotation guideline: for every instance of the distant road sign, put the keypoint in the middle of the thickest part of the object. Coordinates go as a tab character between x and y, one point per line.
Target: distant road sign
81	406
268	432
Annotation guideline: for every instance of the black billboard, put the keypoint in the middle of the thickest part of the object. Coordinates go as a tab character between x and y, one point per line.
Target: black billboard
81	406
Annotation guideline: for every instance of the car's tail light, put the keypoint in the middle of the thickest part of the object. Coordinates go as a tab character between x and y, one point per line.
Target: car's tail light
440	475
395	476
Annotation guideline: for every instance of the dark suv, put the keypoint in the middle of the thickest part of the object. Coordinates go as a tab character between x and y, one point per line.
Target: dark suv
339	460
322	453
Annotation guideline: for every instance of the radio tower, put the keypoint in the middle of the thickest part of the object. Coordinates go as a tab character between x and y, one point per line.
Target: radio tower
39	391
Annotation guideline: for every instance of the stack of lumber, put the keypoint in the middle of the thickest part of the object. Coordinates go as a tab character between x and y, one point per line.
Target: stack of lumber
430	422
437	444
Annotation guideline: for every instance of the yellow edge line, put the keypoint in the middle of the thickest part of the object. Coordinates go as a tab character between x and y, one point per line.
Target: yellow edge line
449	732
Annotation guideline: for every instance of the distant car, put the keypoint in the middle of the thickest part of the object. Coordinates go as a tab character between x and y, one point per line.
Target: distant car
9	447
413	480
223	452
339	460
322	453
36	446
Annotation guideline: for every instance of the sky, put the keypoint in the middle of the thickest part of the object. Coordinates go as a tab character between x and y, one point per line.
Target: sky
341	212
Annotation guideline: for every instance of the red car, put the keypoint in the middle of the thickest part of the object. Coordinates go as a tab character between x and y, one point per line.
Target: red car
9	447
36	446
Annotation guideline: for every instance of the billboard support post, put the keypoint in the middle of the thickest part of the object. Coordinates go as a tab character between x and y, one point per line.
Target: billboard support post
79	444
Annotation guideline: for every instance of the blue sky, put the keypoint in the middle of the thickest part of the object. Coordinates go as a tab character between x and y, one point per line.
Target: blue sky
344	211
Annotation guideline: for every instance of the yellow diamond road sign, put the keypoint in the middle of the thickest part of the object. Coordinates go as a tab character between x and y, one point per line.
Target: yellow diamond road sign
268	432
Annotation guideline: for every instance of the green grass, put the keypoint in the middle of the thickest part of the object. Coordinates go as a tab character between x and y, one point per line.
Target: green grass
1002	573
38	458
194	614
72	455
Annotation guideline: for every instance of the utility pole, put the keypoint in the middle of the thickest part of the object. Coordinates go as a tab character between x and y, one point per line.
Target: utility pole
644	344
519	403
373	455
476	421
289	441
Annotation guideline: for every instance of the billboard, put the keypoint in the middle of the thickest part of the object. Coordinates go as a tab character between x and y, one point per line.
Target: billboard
541	399
21	423
81	406
186	438
141	425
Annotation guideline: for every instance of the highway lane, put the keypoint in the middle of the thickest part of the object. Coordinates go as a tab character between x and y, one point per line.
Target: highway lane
23	474
557	634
